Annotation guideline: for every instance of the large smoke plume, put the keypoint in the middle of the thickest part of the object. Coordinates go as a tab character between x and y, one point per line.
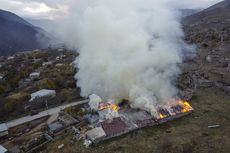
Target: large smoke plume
128	49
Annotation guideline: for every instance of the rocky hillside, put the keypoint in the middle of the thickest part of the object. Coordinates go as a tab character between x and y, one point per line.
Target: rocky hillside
188	12
210	25
209	30
19	35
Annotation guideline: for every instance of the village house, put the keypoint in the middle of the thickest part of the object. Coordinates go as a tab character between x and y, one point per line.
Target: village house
47	63
3	149
59	64
55	127
34	75
10	58
42	95
3	130
1	78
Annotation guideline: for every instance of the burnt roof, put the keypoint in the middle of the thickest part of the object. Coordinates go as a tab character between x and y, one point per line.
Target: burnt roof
114	127
139	117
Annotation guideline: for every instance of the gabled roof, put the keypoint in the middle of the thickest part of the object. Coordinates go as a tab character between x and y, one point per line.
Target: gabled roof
3	127
42	93
2	149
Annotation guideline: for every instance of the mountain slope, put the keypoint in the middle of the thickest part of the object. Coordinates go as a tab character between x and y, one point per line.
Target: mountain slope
209	30
188	12
45	24
19	35
210	25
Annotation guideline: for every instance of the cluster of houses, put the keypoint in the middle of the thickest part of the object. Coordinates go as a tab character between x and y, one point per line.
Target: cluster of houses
94	126
126	119
102	124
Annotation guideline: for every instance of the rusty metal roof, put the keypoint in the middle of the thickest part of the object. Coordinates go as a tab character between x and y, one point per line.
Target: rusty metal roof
114	127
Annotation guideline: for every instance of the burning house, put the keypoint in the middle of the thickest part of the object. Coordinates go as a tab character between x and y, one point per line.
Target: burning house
175	110
127	119
106	110
137	118
142	68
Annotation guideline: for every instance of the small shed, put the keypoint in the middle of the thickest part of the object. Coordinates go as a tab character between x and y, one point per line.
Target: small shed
3	149
34	75
3	130
44	93
47	63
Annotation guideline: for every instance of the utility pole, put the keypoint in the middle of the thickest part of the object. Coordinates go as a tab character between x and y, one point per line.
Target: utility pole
47	107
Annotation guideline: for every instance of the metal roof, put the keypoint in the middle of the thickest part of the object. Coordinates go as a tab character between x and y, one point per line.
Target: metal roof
114	127
3	127
2	149
42	93
96	133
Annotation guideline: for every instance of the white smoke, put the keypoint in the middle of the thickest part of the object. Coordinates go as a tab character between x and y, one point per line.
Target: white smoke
94	101
128	49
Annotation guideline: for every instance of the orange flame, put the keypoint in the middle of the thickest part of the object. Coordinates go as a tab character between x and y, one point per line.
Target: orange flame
107	106
186	107
162	116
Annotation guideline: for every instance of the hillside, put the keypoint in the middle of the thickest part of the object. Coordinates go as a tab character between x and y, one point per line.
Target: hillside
188	12
210	31
16	85
210	25
19	35
204	82
45	24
